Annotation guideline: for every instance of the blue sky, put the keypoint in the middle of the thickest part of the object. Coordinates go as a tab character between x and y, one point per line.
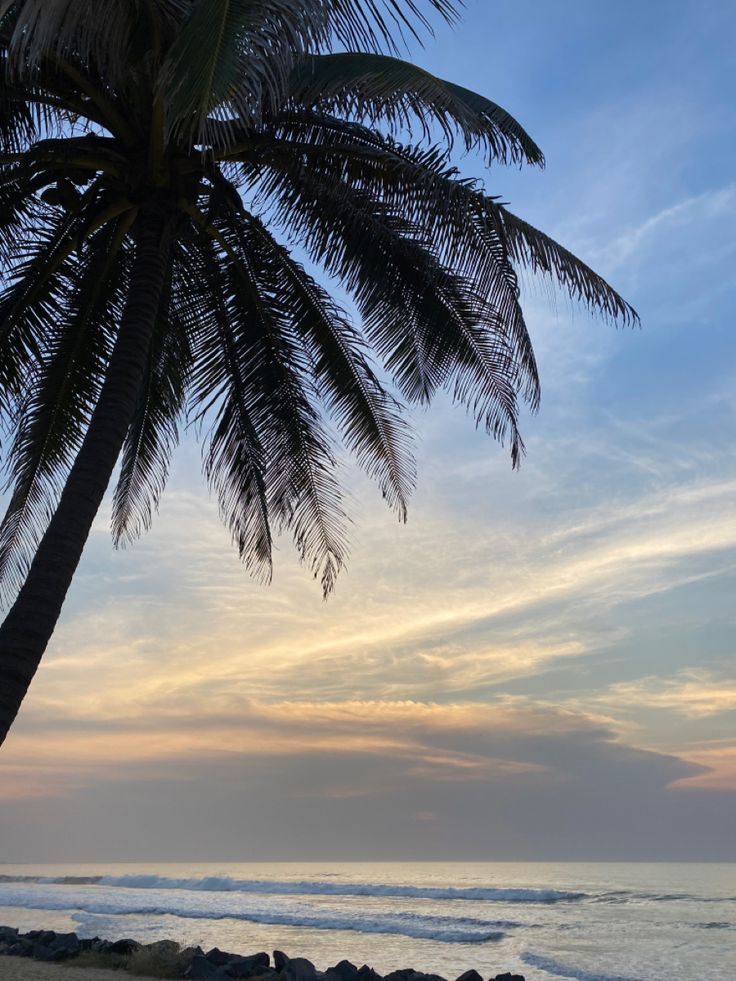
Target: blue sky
540	664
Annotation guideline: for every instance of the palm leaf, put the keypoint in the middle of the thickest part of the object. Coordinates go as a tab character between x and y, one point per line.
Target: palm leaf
382	89
59	406
234	459
541	254
369	418
303	492
154	431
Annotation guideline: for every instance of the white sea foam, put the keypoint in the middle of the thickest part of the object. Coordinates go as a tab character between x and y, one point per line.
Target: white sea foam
446	929
485	894
568	972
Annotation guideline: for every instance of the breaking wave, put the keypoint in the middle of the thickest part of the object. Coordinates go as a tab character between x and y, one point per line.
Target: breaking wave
287	888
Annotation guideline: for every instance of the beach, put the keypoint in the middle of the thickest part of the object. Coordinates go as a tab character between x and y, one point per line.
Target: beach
23	969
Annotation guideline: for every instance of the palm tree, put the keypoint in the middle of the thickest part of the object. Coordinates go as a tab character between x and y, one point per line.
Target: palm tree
151	152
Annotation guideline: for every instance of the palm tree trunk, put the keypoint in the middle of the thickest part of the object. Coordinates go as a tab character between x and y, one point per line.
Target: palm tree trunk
30	622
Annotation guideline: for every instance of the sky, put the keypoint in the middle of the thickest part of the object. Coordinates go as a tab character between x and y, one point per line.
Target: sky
538	665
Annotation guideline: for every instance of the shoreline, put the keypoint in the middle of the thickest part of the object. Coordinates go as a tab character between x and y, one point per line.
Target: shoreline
44	955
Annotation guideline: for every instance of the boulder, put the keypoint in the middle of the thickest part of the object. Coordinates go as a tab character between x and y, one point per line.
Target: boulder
366	973
44	937
280	960
66	945
470	976
124	946
344	971
202	969
164	948
22	948
508	977
43	953
8	935
219	957
249	966
300	969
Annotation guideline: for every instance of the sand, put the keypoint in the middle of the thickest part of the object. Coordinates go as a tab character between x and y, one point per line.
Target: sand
25	969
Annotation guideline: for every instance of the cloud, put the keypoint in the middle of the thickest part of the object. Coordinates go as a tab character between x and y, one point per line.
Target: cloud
694	693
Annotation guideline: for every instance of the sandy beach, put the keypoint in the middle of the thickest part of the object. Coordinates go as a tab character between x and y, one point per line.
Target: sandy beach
24	969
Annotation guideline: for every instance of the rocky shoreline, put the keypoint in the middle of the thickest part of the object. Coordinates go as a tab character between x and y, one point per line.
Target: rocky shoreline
168	959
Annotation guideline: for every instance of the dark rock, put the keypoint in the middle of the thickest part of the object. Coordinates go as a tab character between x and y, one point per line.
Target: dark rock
89	943
255	974
65	945
188	954
300	969
402	974
250	966
8	935
43	953
366	973
44	937
202	969
125	946
219	957
21	949
280	960
508	977
164	948
470	976
101	946
344	971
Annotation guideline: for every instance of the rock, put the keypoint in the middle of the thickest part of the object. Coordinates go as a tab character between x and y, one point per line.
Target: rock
300	969
402	974
258	973
202	969
21	949
164	948
89	943
219	957
250	966
470	976
43	953
344	971
125	946
366	973
508	977
65	945
189	953
8	935
280	960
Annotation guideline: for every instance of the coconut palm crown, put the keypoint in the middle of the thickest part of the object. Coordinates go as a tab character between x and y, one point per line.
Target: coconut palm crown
160	161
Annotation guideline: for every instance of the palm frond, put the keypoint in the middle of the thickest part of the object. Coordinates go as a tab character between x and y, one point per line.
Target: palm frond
388	91
369	418
425	322
234	458
303	492
422	186
541	254
57	409
154	431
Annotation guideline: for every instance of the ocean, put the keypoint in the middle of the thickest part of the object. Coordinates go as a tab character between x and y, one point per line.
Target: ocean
581	921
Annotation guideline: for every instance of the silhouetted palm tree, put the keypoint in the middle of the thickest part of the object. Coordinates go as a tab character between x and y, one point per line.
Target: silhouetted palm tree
151	151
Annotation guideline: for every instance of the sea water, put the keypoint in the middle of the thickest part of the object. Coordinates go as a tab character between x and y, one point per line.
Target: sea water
588	922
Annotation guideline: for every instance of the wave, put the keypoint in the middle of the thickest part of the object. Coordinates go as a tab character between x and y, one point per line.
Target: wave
445	929
288	888
566	971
